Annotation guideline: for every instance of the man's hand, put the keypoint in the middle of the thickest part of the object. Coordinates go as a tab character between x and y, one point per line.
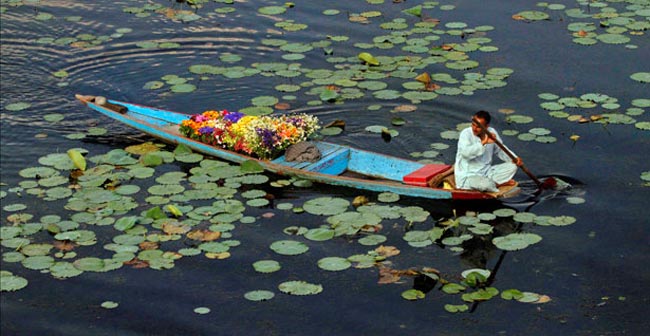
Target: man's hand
485	139
518	161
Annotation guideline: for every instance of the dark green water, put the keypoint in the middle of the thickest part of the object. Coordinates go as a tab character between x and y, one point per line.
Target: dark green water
593	270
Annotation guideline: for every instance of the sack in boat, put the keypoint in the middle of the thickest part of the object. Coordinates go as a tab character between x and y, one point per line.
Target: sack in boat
303	151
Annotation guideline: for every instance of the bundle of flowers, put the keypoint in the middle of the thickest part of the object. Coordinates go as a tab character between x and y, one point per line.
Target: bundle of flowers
265	137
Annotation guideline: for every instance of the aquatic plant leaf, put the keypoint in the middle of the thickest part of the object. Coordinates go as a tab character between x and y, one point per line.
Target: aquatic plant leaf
368	58
266	266
10	282
17	106
415	11
327	206
642	77
510	294
64	270
300	288
374	239
334	264
561	220
251	166
272	10
77	159
259	295
516	241
452	288
456	308
36	249
413	294
289	247
531	16
202	310
109	305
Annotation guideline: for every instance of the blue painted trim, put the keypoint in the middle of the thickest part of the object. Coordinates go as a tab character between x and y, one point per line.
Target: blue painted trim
381	166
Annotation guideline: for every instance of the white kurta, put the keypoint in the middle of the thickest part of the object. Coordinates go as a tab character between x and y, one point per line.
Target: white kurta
473	168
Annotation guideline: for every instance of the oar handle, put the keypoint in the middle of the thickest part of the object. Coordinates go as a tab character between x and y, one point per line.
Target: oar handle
506	150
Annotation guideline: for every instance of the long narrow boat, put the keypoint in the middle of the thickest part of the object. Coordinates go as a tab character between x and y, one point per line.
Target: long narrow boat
339	165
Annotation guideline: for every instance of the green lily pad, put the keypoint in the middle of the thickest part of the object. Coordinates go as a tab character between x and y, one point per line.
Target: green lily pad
413	294
516	241
326	206
456	308
259	295
320	234
266	266
11	283
300	288
289	247
334	264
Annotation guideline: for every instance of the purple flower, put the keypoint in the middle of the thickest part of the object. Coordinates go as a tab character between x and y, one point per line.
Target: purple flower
206	130
269	137
233	117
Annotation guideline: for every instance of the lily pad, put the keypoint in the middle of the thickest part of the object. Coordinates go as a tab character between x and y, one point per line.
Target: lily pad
259	295
413	294
516	241
289	247
266	266
300	288
334	264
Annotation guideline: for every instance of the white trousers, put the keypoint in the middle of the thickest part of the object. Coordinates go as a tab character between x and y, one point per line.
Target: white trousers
496	175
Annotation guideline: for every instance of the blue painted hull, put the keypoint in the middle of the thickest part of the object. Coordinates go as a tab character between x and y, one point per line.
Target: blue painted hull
382	173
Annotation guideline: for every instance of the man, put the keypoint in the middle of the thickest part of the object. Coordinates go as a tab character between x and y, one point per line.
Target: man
473	168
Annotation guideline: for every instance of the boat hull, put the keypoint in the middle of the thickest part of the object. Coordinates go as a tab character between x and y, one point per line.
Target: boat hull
383	172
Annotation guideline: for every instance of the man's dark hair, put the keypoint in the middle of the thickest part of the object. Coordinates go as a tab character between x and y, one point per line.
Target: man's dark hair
485	115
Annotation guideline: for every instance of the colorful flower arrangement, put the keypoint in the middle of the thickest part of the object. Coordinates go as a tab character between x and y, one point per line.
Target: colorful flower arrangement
265	137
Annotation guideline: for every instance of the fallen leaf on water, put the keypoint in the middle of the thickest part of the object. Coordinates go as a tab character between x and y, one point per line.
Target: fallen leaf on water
137	263
65	245
222	255
405	108
386	276
423	78
147	245
204	235
518	17
173	228
574	137
336	123
596	117
359	201
543	299
268	215
582	33
387	251
282	106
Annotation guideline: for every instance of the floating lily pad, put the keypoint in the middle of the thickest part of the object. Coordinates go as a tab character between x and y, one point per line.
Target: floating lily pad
289	247
266	266
300	288
334	264
109	304
326	206
413	294
516	241
10	282
259	295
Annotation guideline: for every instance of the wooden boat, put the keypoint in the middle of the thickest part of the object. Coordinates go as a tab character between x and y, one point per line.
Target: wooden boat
339	165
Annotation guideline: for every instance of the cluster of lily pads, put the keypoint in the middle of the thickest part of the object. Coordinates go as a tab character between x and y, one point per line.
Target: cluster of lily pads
156	214
600	21
423	44
607	109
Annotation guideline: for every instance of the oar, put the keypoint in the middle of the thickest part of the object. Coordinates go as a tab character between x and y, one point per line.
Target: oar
548	183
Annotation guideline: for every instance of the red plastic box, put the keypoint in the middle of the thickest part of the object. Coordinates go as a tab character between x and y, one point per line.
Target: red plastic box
421	176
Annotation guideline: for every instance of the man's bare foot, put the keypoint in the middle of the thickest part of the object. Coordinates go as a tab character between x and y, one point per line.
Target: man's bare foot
507	184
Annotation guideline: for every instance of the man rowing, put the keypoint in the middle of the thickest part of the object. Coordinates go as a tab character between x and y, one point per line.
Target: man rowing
473	168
